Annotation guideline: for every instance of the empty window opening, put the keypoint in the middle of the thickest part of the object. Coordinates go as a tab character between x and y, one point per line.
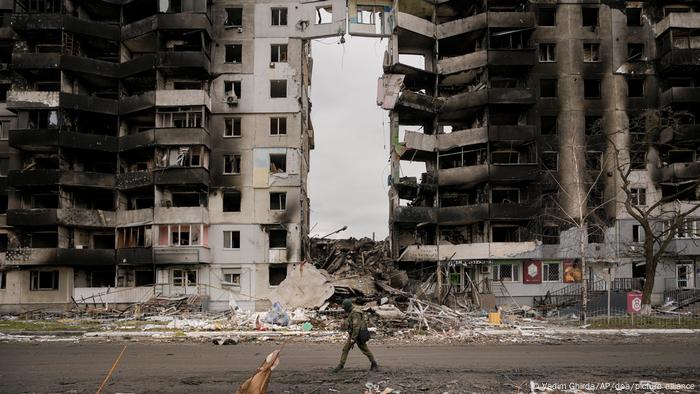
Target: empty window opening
43	280
548	88
324	15
278	239
278	201
548	125
186	200
187	85
550	160
635	87
589	16
505	234
371	15
637	233
594	160
181	235
505	157
505	196
232	164
133	237
184	278
638	160
232	239
278	126
592	88
276	274
596	235
278	163
279	16
547	16
232	88
3	280
278	53
234	53
103	241
417	61
232	202
635	52
44	201
278	88
591	52
44	239
144	278
234	17
550	235
548	53
634	16
509	39
593	125
232	127
681	156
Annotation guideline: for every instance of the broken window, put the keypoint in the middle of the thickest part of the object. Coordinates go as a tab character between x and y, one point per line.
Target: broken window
550	234
4	88
505	234
635	52
638	160
39	6
278	163
232	277
681	156
548	53
686	39
187	85
505	272
276	274
278	88
44	239
234	53
180	117
232	202
278	239
589	16
324	15
278	126
232	127
638	196
43	280
184	156
548	88
186	199
184	278
637	233
3	205
232	164
234	17
509	39
550	199
551	272
596	194
42	119
595	234
279	16
546	16
133	237
181	235
505	157
634	16
232	239
594	160
505	196
591	52
3	274
550	160
4	130
548	125
593	125
278	53
232	87
144	278
635	87
4	166
591	88
278	201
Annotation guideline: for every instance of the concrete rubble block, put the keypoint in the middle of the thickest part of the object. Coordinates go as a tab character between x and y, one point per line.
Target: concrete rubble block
304	287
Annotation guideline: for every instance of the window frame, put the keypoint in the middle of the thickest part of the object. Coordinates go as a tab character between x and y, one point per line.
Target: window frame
237	50
546	46
549	9
278	84
638	196
594	52
278	53
235	166
546	273
35	280
556	158
233	121
281	18
184	277
231	245
514	272
228	14
281	201
233	272
275	125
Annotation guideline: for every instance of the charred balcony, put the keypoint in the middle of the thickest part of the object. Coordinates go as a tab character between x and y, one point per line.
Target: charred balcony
34	22
492	57
680	172
181	255
471	175
41	177
134	180
80	64
74	217
60	257
512	20
181	176
135	256
17	100
461	215
165	137
174	21
50	139
680	95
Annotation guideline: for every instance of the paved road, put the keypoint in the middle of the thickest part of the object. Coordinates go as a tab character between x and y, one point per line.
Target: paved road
191	367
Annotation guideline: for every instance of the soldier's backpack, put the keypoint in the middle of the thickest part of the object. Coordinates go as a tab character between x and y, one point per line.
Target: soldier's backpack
364	334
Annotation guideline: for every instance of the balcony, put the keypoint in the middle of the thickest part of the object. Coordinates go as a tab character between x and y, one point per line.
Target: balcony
137	102
134	217
39	99
680	95
494	57
179	62
513	211
180	21
27	99
28	22
135	256
38	140
278	256
181	215
474	251
514	20
679	20
679	59
182	98
79	64
414	215
462	215
181	176
181	255
31	178
74	217
164	137
60	257
680	172
472	175
144	63
462	101
134	180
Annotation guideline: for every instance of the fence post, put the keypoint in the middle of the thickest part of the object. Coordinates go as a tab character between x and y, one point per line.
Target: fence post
632	319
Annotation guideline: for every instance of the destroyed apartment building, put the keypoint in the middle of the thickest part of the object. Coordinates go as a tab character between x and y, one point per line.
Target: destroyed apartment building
162	147
509	105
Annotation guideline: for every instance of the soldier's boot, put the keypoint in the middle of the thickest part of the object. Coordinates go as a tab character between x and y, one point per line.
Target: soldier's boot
338	368
374	367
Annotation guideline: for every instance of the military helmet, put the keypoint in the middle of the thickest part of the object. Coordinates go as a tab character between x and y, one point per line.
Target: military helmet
347	304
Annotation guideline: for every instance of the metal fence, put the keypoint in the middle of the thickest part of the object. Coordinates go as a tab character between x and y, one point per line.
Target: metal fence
619	318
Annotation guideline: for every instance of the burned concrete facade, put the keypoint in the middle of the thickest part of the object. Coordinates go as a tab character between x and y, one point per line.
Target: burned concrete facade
501	100
155	147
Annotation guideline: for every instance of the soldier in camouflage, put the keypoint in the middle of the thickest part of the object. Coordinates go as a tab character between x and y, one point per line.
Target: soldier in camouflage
356	322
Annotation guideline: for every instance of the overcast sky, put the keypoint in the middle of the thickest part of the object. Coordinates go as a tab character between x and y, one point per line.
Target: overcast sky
349	166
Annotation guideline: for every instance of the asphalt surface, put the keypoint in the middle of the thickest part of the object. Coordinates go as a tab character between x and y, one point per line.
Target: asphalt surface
183	367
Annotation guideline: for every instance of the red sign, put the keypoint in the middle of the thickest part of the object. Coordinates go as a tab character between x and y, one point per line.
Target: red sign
532	272
634	302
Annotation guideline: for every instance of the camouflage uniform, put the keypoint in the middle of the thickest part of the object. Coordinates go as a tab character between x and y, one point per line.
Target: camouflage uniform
356	319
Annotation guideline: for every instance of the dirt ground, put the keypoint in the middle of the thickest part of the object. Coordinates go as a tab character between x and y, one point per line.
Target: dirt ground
186	367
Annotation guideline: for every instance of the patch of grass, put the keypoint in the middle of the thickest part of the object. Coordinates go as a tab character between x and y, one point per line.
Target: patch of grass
645	322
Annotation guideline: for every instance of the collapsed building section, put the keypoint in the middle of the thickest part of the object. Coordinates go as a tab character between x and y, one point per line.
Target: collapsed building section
509	106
